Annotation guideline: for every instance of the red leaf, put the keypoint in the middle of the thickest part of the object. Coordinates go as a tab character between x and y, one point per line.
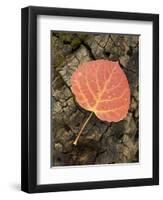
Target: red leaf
101	87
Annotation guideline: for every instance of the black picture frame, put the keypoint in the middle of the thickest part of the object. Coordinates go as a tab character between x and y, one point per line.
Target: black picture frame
29	99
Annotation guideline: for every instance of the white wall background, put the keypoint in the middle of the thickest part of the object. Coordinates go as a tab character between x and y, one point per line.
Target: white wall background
10	79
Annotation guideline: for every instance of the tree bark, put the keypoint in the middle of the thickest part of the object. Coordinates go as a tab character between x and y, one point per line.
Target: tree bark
100	142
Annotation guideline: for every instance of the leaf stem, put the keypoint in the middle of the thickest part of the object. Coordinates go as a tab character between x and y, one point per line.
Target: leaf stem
82	128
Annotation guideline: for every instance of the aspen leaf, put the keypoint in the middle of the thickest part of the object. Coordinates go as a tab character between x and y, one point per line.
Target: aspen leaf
102	87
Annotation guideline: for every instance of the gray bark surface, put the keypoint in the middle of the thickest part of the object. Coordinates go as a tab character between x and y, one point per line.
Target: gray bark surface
101	142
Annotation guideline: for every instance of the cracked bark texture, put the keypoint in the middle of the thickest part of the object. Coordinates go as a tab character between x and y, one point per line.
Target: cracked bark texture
101	142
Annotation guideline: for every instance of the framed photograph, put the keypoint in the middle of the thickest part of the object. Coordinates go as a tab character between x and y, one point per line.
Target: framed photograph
90	99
